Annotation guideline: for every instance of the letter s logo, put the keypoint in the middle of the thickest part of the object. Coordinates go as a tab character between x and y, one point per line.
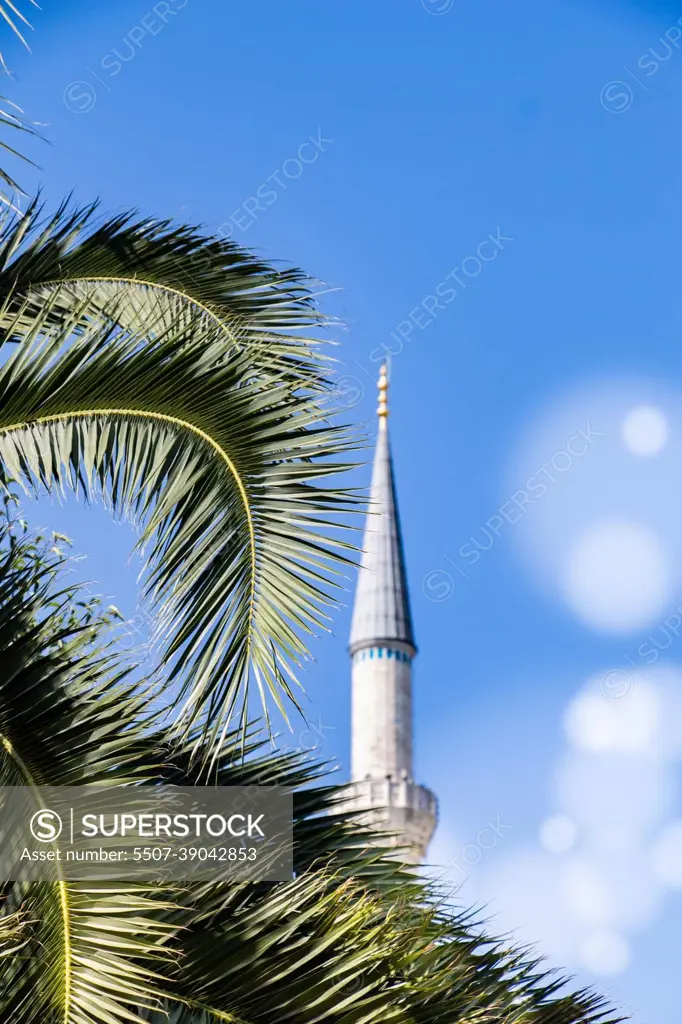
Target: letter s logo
46	826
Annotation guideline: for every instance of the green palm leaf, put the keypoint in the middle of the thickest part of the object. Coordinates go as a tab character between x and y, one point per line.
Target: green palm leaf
159	274
87	953
348	941
218	470
426	963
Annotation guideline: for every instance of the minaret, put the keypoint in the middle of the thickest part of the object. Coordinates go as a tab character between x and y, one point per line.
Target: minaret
382	649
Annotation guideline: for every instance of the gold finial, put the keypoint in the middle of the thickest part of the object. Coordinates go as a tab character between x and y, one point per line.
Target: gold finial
382	411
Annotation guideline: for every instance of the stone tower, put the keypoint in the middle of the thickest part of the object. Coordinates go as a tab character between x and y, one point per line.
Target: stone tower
382	650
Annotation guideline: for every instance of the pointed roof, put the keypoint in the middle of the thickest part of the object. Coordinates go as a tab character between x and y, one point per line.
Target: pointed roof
382	603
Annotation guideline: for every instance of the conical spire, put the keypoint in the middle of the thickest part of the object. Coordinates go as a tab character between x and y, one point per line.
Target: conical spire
382	605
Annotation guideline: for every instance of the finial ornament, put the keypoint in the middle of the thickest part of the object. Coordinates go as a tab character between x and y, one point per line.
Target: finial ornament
382	411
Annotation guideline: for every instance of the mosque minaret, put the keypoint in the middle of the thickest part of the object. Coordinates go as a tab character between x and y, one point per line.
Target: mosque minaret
382	649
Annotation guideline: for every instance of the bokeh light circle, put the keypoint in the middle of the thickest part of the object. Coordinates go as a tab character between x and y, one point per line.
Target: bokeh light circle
605	953
645	430
557	834
616	576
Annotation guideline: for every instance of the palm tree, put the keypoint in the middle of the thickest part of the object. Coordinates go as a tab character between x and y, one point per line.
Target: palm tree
174	376
351	938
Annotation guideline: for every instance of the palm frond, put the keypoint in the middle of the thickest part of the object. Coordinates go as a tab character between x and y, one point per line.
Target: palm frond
13	936
433	963
155	273
11	116
225	476
13	17
67	717
341	943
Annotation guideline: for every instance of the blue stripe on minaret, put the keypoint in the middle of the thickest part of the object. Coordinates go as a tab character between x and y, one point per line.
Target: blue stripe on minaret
381	652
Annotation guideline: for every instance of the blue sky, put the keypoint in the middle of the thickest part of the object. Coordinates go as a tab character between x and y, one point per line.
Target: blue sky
552	127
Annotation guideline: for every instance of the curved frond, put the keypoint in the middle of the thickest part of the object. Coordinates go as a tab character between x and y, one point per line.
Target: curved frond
338	944
154	274
219	472
428	963
70	952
